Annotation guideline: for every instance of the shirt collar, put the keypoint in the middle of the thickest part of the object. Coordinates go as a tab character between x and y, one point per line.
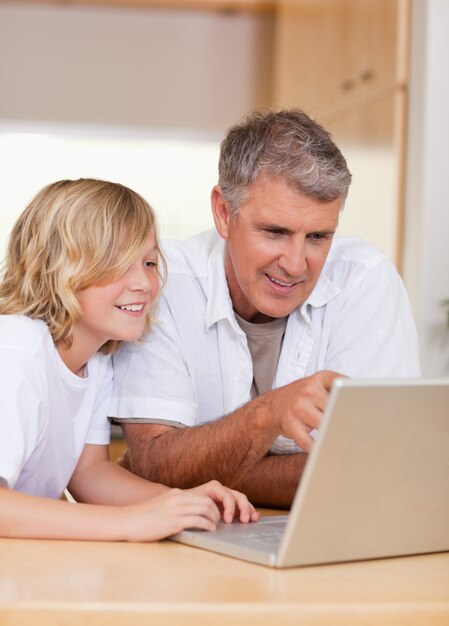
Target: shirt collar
325	291
219	304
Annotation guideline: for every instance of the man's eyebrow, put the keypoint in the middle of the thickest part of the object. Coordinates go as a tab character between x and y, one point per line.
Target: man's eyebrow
282	230
324	231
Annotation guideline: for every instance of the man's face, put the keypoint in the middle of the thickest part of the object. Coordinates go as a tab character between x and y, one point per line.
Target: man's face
276	247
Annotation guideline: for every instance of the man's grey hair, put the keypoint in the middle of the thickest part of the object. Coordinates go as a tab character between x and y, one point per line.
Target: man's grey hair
285	145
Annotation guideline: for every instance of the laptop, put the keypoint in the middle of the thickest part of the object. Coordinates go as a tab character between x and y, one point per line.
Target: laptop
376	483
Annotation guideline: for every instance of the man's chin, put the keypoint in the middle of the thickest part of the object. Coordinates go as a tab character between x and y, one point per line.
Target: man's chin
275	312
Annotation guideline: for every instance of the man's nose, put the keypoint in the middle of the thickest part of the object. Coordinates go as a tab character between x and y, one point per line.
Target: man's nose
293	259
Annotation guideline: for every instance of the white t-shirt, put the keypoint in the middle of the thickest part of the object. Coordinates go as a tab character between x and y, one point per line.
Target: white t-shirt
195	365
47	413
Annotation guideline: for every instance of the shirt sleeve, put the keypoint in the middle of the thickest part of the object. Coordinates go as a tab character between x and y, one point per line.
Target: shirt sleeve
151	378
373	334
19	416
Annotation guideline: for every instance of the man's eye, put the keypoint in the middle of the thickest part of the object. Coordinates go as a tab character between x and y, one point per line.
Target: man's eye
318	236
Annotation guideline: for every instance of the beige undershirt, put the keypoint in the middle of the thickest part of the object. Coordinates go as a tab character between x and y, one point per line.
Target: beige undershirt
264	343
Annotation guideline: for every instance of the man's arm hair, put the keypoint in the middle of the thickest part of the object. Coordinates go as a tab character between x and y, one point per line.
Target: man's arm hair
273	481
234	449
270	482
225	449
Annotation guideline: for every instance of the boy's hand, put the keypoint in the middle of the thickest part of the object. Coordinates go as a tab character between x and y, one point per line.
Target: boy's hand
178	509
232	503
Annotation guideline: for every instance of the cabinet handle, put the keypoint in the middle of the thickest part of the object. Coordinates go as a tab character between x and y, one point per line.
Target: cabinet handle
366	75
351	83
346	85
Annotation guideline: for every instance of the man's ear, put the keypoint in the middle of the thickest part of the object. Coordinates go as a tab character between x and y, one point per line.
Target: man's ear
221	212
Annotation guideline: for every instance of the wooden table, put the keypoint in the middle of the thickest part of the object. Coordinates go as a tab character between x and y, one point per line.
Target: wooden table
110	584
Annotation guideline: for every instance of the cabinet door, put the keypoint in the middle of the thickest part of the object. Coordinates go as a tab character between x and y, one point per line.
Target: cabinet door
331	53
367	137
344	63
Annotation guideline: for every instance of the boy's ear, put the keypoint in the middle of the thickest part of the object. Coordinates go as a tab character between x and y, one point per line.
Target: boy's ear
221	211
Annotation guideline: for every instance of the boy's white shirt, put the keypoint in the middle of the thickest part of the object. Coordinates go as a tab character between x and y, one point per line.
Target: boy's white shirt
195	365
48	413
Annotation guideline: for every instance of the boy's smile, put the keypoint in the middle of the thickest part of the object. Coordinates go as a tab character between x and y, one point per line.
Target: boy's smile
116	310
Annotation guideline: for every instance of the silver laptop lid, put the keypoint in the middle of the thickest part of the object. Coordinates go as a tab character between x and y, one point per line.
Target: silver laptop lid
377	480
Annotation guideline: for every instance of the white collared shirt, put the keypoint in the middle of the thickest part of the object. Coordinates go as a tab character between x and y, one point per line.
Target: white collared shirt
195	365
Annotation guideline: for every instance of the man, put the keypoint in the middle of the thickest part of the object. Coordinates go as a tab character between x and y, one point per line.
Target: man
257	319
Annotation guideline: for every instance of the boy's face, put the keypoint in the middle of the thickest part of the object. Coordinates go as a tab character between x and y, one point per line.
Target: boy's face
118	309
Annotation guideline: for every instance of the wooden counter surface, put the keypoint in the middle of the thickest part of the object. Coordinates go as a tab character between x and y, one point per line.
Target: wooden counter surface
68	583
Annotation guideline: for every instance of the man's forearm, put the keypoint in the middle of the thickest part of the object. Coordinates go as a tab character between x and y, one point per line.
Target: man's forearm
227	449
224	450
272	482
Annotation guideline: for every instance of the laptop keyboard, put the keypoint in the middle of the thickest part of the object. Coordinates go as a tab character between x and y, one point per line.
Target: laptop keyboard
269	534
266	535
263	537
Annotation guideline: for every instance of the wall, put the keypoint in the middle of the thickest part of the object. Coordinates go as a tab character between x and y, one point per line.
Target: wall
139	96
426	258
158	68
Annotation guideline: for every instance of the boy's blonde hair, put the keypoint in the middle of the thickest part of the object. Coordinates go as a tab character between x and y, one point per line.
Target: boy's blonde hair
74	234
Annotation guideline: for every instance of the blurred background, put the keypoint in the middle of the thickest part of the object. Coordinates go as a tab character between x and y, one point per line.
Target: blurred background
142	91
